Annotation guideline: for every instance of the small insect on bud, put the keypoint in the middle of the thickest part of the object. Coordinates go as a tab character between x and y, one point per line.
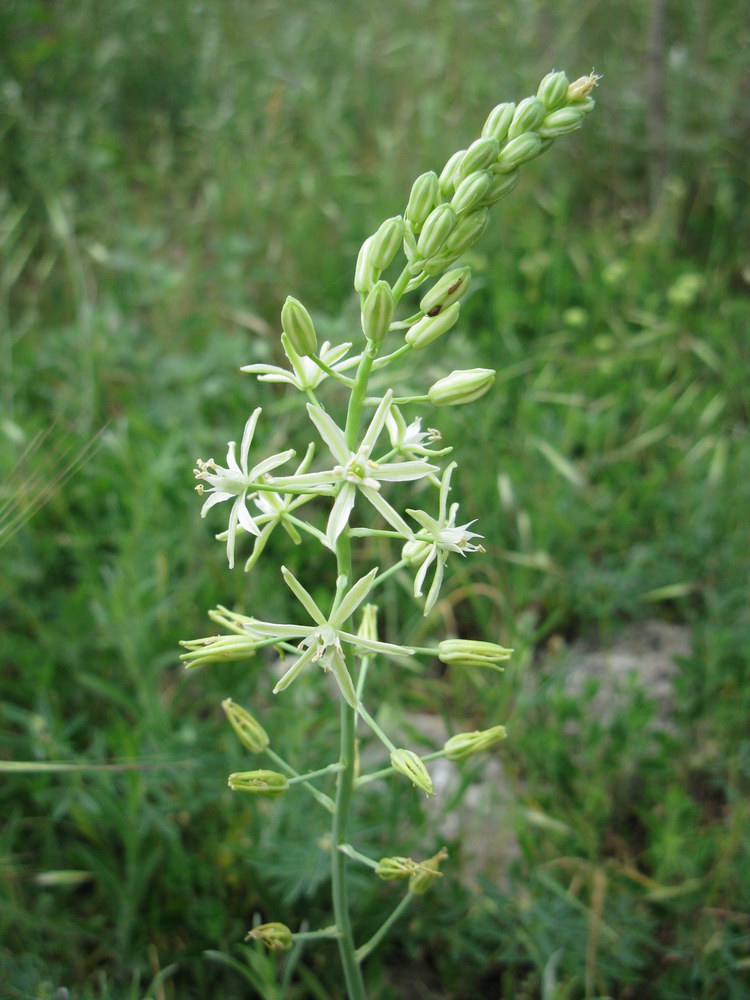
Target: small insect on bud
390	869
528	115
410	764
464	745
386	242
461	387
467	232
481	154
275	936
470	192
561	122
423	198
249	731
498	122
472	653
501	185
428	872
437	228
270	783
449	173
298	326
524	147
429	328
582	87
553	90
451	287
364	274
377	312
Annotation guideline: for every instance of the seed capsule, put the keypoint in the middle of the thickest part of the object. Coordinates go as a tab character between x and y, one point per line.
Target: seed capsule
275	936
472	653
270	783
249	731
464	745
428	873
410	764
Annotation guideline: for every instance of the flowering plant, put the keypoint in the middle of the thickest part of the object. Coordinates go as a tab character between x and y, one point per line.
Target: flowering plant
445	215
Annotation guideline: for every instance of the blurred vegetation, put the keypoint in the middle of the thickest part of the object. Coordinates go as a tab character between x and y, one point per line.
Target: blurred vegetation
170	172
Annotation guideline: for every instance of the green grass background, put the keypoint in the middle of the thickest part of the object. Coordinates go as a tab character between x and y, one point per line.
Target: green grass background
170	172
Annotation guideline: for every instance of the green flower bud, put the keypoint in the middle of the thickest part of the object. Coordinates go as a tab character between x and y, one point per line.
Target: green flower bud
528	115
275	936
463	745
215	648
480	155
498	122
501	185
467	232
429	328
364	273
470	191
298	326
390	869
423	198
451	287
368	628
386	242
377	312
427	874
449	173
524	147
561	122
472	653
461	387
440	223
553	90
582	87
249	731
410	764
415	552
270	783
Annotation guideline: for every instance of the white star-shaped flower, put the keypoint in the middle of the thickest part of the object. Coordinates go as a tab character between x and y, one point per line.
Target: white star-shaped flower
443	536
305	374
236	481
357	471
408	439
322	641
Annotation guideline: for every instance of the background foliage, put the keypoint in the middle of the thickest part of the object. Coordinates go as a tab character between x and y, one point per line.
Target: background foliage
170	172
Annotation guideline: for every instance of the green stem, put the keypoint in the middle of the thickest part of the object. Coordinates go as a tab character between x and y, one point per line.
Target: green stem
378	936
326	932
359	391
344	379
355	855
385	772
377	730
389	572
330	769
387	358
319	796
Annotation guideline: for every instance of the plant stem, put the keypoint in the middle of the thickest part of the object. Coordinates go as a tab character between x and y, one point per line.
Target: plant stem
378	936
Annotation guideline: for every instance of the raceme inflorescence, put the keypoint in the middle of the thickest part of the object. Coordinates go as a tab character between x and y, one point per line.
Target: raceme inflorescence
339	495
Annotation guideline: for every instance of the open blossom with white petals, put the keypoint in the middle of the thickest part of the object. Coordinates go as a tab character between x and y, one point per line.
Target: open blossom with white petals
409	439
357	472
305	374
441	536
322	641
236	481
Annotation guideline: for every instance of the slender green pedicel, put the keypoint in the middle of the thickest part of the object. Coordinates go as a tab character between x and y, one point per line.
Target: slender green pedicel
339	498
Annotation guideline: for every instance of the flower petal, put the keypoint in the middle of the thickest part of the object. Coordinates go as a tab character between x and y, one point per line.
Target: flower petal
403	472
437	582
214	498
353	598
445	486
392	516
343	678
272	630
422	572
340	513
245	518
296	669
247	437
376	646
272	462
260	544
331	434
303	597
378	420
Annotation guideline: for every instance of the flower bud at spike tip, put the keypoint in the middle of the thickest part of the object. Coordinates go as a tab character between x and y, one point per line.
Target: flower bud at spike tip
528	115
429	328
461	387
467	232
377	312
423	198
270	783
390	869
427	874
498	122
470	191
275	936
464	745
298	326
582	87
524	147
553	90
410	764
386	242
451	287
481	154
472	653
249	731
449	173
561	122
437	228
